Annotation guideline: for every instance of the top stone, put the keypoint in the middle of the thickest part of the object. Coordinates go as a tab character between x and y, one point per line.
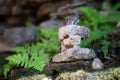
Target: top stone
69	30
72	20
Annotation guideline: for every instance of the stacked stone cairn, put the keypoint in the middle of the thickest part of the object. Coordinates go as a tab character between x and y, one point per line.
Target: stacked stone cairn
70	36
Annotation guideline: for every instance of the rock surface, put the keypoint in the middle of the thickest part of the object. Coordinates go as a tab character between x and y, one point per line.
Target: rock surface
109	74
70	36
24	9
97	64
67	66
19	36
51	23
5	47
69	30
20	11
74	54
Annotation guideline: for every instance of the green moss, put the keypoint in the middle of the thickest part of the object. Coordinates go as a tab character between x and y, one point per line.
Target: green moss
106	74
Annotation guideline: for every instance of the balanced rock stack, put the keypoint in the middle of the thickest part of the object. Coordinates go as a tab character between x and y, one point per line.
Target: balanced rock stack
70	36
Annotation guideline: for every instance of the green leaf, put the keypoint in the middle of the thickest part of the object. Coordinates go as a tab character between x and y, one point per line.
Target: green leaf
105	46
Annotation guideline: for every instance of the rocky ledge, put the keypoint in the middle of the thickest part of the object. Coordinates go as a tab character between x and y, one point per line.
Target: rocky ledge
106	74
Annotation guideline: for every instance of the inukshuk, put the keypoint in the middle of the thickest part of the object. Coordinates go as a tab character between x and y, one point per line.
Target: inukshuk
70	36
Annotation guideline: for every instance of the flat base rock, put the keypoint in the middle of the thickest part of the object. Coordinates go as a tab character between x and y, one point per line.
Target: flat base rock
106	74
27	74
74	54
67	66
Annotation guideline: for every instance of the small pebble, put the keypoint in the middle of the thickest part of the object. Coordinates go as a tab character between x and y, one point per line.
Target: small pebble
97	64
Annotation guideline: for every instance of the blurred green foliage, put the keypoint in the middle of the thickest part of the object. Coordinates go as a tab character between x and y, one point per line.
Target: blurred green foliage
100	25
50	43
29	24
36	55
27	57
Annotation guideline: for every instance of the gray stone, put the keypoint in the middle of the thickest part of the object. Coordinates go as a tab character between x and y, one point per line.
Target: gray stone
70	37
106	74
16	10
5	47
84	53
78	30
70	42
2	28
4	10
63	56
18	36
1	2
73	54
51	23
97	64
69	30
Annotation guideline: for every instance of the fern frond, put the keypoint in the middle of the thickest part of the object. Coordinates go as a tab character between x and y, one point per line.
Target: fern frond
90	12
101	26
34	58
7	68
105	45
114	8
95	35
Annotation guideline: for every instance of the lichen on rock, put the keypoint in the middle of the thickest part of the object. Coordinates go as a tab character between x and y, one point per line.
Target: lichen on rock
108	74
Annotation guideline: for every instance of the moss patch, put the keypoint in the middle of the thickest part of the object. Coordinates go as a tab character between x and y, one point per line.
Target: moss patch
106	74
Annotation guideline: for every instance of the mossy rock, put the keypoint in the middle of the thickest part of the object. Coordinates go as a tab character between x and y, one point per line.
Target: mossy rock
106	74
27	74
35	77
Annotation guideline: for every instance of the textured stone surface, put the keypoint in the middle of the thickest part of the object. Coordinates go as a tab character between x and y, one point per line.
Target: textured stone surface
35	77
70	42
97	64
73	54
68	30
70	37
84	53
5	47
109	74
68	66
63	56
82	31
38	9
18	36
51	23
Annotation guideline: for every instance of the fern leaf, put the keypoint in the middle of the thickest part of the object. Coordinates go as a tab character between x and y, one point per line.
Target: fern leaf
7	68
95	35
105	46
90	12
